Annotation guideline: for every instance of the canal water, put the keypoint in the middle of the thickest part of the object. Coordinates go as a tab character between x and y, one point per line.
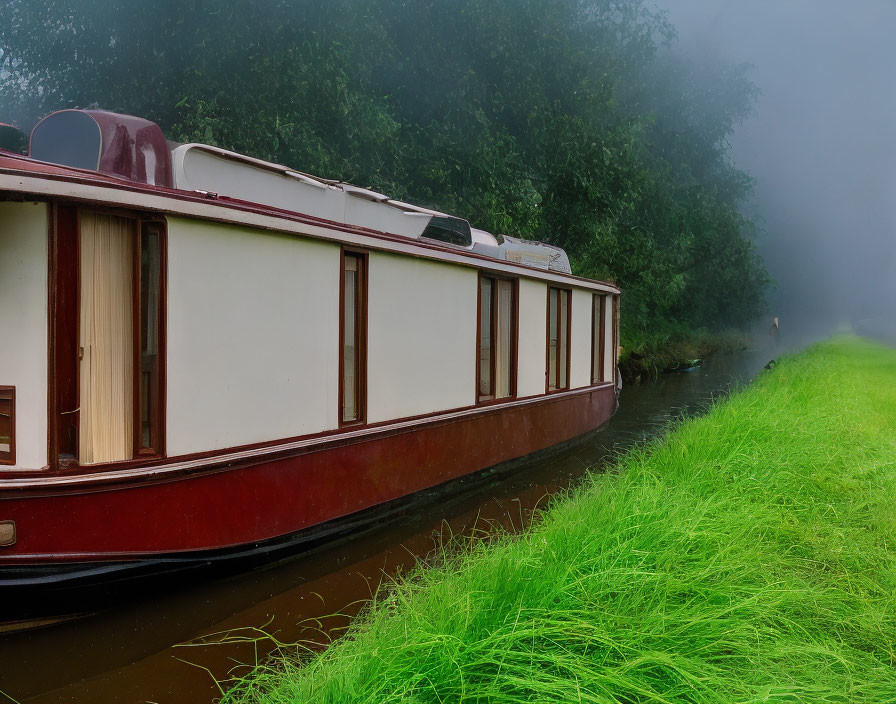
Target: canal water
174	646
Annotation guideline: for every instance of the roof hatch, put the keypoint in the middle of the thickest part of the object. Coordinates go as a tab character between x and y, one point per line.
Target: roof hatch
118	145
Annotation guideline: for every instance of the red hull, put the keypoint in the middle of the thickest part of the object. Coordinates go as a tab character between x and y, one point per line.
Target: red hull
275	492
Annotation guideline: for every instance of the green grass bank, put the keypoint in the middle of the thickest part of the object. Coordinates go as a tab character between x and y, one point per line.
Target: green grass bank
749	556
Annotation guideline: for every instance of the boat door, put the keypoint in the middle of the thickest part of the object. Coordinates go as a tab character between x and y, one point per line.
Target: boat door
108	336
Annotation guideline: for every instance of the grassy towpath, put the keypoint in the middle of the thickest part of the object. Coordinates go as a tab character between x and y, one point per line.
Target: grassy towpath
749	556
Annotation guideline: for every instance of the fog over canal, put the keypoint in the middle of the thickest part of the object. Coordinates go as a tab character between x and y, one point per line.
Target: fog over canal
821	144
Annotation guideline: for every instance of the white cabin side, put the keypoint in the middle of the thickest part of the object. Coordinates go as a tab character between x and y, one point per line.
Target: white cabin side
580	346
252	336
23	326
531	345
254	326
421	337
610	338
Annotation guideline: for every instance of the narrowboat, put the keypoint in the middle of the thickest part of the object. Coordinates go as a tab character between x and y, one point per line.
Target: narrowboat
206	357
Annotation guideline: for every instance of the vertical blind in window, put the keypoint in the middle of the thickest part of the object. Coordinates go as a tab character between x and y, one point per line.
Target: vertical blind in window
106	339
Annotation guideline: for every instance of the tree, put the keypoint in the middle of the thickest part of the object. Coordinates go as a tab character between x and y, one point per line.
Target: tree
570	121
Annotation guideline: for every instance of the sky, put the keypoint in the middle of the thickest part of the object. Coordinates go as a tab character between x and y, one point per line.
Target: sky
821	144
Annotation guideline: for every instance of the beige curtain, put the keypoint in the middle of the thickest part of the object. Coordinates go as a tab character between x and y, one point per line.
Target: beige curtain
504	338
106	339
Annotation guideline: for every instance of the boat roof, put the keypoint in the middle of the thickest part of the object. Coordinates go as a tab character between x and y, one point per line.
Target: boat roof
25	176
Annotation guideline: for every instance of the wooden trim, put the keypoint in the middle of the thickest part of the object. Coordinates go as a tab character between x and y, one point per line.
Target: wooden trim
513	370
362	337
63	319
603	337
476	342
598	306
229	458
591	371
547	341
361	323
9	458
136	227
493	342
158	431
547	352
163	339
615	350
52	441
60	374
93	190
568	339
490	396
515	351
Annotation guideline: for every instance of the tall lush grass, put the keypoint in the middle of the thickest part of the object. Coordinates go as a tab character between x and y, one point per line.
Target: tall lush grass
750	556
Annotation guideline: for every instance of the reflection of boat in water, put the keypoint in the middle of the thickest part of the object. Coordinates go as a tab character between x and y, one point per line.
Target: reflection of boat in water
210	358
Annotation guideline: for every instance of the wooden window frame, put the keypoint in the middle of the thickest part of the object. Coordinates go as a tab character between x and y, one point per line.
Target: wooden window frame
63	309
9	458
158	397
490	398
614	302
599	306
547	339
360	371
63	380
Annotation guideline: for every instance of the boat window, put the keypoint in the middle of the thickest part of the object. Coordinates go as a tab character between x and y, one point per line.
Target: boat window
68	137
564	339
504	338
552	338
614	336
7	425
353	334
150	328
496	339
486	345
598	336
558	339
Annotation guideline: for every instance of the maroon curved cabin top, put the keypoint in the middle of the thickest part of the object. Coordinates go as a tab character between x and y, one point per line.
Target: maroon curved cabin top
118	145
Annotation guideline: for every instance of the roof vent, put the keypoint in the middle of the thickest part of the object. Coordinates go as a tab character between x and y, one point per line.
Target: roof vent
451	230
118	145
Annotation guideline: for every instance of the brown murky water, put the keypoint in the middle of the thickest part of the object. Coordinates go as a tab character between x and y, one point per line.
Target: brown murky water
175	646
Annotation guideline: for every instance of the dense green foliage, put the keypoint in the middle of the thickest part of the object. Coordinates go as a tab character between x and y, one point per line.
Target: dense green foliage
748	557
569	121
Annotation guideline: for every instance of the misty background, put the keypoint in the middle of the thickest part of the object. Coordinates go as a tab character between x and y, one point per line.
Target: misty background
820	144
